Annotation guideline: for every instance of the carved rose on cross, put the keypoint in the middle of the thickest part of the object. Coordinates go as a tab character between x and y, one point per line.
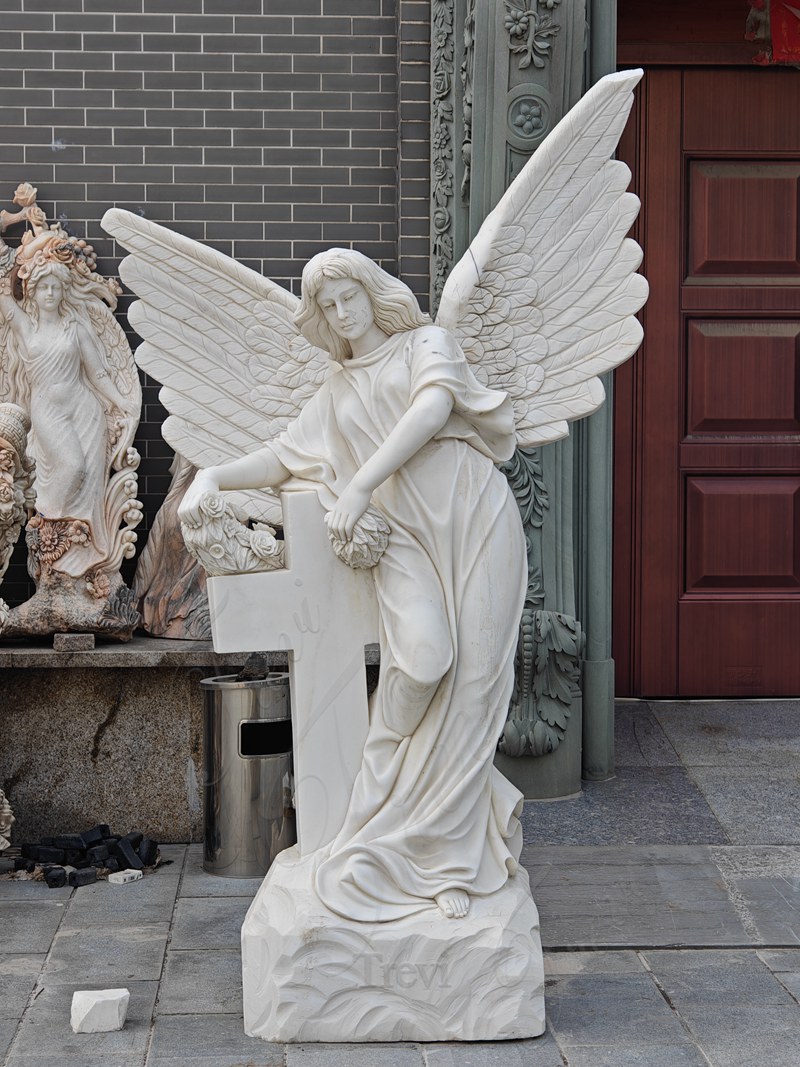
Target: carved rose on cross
25	194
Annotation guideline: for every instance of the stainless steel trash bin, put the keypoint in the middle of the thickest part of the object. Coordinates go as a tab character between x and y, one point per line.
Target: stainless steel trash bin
247	757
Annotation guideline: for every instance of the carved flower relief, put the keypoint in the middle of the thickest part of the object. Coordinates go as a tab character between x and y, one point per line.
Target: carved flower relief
441	83
50	539
213	505
549	4
25	195
98	584
516	22
7	460
6	492
526	116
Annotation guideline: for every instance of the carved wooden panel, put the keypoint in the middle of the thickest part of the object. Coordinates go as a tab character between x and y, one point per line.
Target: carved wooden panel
743	377
742	533
740	111
743	219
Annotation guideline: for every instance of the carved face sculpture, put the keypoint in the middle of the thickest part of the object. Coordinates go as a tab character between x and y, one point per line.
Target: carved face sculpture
346	306
47	292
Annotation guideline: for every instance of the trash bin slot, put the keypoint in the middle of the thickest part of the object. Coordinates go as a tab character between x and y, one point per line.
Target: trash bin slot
265	737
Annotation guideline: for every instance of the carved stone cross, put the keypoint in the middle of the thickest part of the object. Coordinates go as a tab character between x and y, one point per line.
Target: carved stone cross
323	613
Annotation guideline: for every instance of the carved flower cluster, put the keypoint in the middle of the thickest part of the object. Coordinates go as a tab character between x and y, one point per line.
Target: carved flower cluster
50	539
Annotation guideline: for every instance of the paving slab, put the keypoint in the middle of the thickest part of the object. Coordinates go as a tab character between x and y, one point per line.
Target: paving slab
107	956
199	883
46	1034
649	1056
29	926
8	1027
753	806
595	898
639	738
209	923
18	974
537	1052
641	806
354	1055
209	1041
732	977
734	734
150	900
201	983
620	962
30	889
615	1011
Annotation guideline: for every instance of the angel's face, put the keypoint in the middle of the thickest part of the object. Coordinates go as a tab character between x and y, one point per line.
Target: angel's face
347	307
48	292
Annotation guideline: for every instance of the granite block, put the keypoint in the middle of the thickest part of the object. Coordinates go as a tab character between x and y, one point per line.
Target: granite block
753	806
642	805
209	923
639	739
732	977
650	1056
29	926
351	1055
46	1032
209	1041
150	900
106	957
8	1027
18	974
201	983
592	898
538	1052
620	962
733	734
199	883
773	908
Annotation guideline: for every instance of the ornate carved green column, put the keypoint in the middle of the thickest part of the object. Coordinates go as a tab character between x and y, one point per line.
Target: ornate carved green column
504	72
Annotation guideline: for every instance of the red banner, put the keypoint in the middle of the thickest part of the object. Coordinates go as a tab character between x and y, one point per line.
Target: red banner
784	20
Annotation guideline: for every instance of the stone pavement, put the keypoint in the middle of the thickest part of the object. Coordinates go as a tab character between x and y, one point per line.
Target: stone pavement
669	900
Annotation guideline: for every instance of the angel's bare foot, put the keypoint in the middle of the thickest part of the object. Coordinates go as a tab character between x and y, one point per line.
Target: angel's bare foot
453	903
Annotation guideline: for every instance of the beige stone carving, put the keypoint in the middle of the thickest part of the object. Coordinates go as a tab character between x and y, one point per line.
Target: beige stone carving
17	494
65	360
6	822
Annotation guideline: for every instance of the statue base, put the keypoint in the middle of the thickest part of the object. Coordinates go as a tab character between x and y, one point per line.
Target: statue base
65	604
310	975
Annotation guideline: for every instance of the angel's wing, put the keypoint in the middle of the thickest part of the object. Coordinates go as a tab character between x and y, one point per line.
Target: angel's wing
544	299
219	337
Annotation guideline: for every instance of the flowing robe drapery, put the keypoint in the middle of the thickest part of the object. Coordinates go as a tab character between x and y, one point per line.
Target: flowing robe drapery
428	812
69	443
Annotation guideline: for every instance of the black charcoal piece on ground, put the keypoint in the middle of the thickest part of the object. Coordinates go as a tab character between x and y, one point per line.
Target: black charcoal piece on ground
148	851
50	842
110	839
56	877
69	841
29	850
21	863
135	837
92	837
126	854
112	864
98	855
82	864
83	877
50	855
74	855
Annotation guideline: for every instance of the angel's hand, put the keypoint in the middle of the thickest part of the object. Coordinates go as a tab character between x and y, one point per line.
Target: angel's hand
352	504
189	509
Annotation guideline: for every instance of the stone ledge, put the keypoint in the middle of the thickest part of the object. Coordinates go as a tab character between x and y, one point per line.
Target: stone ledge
142	651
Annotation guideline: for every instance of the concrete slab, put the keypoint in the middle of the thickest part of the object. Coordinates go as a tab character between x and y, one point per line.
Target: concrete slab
29	926
734	734
204	982
107	956
773	905
28	889
620	962
730	977
8	1027
18	974
209	923
631	898
642	805
651	1056
209	1041
198	883
46	1034
752	806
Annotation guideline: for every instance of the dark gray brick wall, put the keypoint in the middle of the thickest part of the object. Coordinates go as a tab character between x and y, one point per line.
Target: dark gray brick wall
267	128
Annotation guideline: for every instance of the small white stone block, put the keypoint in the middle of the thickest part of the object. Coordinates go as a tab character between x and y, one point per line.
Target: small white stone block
310	975
97	1011
123	877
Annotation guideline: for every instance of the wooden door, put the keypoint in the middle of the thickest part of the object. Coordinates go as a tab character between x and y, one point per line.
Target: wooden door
707	506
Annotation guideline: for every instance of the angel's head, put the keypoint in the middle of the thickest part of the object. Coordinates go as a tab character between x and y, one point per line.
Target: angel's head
46	289
384	300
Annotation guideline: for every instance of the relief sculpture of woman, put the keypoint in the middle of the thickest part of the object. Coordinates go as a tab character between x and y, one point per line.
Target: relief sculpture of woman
65	360
399	423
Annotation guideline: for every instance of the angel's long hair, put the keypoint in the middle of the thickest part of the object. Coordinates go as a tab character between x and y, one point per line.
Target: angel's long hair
394	305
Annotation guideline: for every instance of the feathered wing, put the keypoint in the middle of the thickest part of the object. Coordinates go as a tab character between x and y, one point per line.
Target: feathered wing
220	339
543	302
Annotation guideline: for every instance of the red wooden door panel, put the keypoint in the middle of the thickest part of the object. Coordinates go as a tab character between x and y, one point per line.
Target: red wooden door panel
713	586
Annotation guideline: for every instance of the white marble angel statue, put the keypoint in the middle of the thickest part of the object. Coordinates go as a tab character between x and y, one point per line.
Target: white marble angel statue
65	360
355	390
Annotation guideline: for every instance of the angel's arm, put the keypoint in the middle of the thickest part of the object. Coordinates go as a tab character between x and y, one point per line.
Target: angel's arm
429	411
254	471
